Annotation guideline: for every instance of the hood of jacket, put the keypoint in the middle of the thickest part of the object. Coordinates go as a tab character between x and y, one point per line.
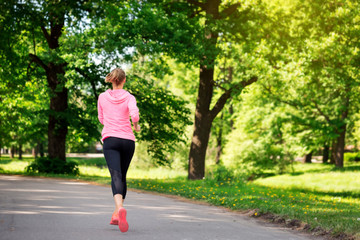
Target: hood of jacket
116	96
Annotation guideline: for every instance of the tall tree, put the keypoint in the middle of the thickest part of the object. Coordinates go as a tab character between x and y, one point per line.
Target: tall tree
42	24
320	77
191	32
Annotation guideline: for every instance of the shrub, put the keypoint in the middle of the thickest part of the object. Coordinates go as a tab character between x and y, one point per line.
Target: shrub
352	157
220	173
55	165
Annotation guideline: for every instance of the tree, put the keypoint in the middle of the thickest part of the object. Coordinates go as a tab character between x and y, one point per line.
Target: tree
191	32
320	77
41	25
52	40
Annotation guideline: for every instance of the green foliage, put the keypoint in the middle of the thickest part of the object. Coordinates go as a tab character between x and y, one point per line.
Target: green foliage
317	74
163	118
150	27
304	53
352	157
261	139
220	173
56	166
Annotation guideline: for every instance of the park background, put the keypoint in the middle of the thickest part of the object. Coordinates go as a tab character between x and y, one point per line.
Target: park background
251	105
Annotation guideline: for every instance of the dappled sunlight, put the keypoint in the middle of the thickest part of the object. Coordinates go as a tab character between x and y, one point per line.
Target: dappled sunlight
31	190
187	218
35	198
161	209
15	212
73	183
12	212
156	173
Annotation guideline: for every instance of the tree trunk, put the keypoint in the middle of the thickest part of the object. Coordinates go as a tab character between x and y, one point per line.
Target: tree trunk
204	116
202	125
12	152
55	74
339	143
219	141
339	148
35	151
41	149
20	151
307	158
325	157
333	152
203	121
58	125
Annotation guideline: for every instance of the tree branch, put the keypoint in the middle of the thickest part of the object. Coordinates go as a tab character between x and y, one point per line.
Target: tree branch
248	82
219	105
46	34
229	10
53	38
293	104
299	106
321	112
38	61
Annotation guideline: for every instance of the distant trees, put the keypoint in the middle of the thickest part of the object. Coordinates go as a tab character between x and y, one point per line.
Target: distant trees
320	77
314	82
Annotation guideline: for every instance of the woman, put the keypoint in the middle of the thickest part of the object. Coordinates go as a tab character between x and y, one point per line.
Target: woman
114	108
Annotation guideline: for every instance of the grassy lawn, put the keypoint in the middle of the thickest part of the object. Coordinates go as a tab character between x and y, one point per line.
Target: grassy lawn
316	194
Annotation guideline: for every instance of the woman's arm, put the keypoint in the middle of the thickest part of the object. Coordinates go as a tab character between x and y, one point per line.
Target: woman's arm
133	110
136	126
100	112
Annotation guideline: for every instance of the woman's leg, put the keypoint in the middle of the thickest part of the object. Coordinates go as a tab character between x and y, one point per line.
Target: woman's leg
119	202
118	154
127	152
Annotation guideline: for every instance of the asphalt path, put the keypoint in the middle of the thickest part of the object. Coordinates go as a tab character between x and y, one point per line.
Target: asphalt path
49	209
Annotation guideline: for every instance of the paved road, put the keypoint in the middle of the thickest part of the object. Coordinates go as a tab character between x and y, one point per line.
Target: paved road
39	208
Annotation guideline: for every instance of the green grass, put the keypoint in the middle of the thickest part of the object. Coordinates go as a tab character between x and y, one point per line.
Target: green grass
317	194
320	179
325	197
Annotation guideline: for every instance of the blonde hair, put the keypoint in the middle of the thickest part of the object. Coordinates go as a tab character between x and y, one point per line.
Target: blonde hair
116	76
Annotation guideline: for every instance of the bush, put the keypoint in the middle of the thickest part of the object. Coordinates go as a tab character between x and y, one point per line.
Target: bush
220	173
352	157
55	165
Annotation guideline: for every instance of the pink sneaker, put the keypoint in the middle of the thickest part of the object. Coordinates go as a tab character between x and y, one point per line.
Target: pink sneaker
123	224
114	219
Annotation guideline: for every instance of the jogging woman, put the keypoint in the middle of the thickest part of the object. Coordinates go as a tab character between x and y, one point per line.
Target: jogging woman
115	107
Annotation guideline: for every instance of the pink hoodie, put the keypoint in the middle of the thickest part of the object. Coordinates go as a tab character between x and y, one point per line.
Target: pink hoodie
114	109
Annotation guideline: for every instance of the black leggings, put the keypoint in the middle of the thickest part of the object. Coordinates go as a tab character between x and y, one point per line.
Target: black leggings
118	153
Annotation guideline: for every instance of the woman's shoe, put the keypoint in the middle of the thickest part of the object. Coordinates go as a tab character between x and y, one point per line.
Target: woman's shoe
114	219
123	224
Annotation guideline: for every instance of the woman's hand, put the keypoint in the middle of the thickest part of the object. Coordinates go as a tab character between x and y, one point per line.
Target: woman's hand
136	127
